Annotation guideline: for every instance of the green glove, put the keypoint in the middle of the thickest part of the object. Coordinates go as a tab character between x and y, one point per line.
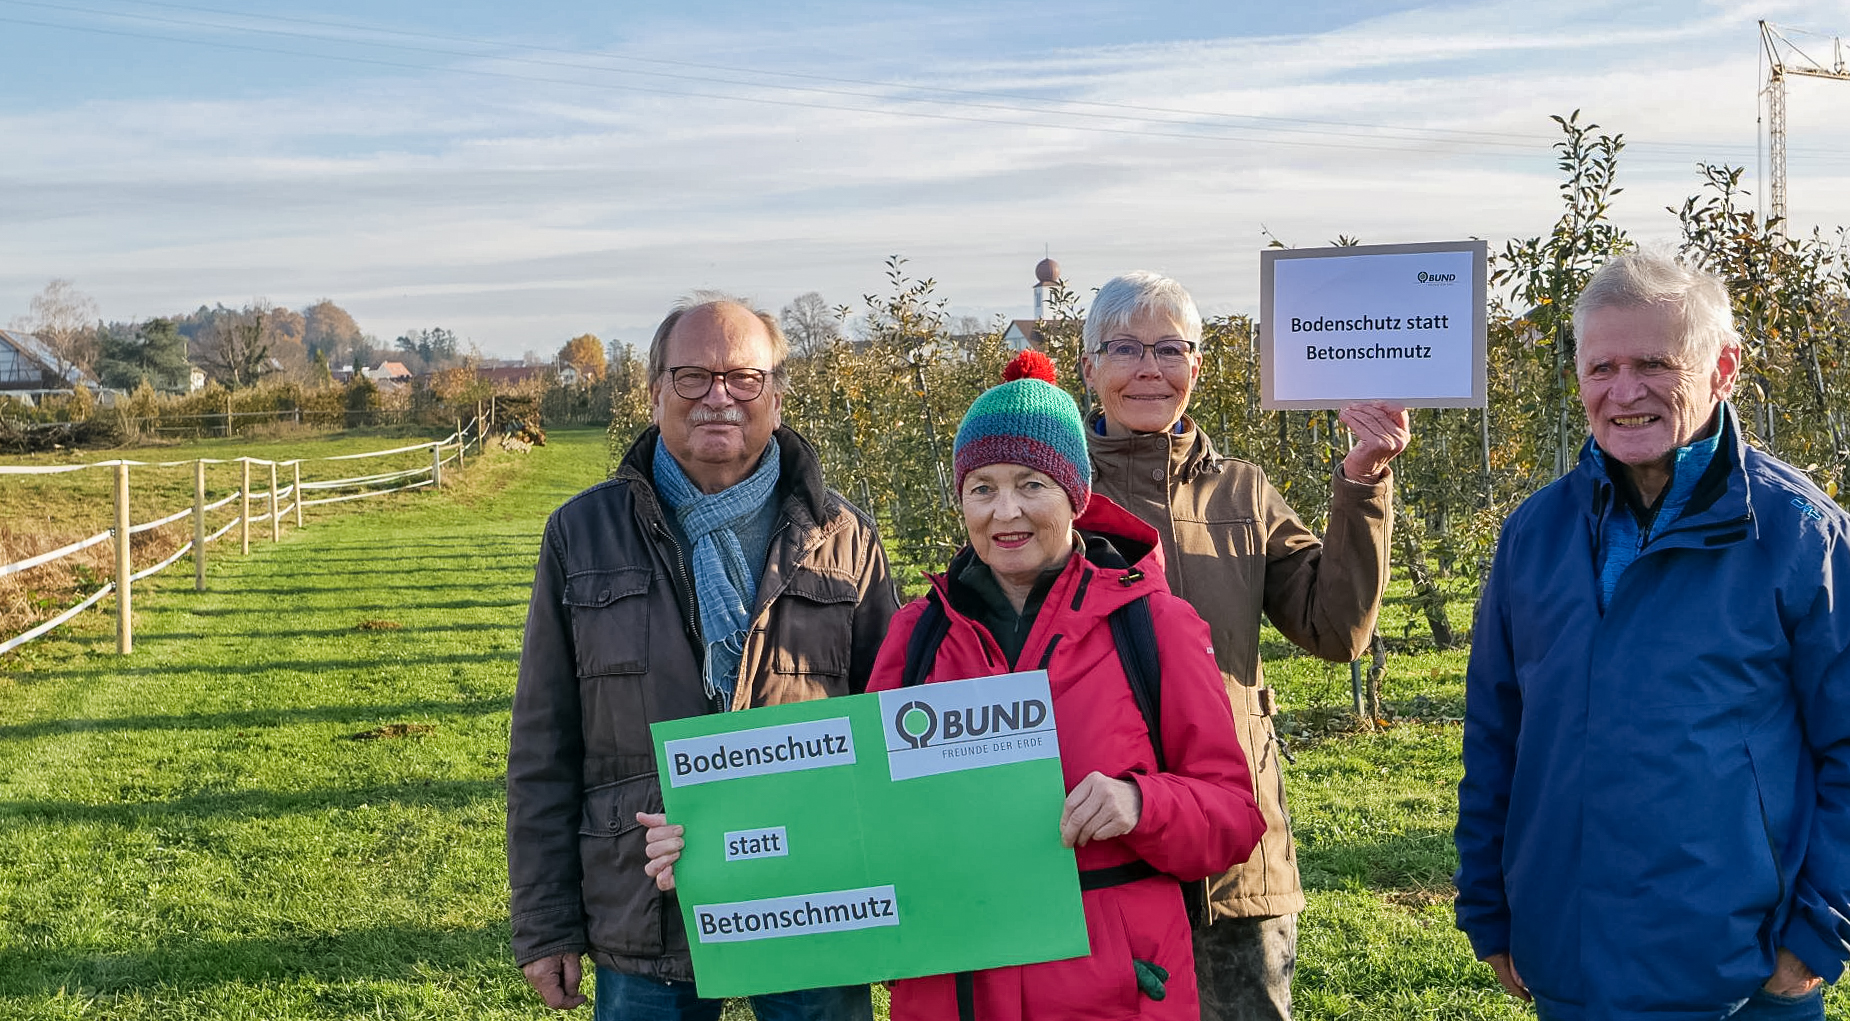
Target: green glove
1151	977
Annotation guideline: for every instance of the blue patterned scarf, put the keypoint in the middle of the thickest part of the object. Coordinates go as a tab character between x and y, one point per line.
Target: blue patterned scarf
724	583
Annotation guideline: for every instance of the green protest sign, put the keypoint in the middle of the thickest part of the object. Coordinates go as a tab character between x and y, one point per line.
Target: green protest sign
887	835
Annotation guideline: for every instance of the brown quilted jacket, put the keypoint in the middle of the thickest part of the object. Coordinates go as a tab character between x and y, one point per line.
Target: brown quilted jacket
609	650
1233	549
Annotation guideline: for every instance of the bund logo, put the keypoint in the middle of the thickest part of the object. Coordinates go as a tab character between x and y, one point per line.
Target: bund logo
1437	278
952	726
916	723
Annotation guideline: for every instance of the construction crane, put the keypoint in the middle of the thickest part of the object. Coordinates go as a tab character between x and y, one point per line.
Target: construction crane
1783	58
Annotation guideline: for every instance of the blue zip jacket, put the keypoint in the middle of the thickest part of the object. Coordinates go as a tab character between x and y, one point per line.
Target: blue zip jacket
1657	798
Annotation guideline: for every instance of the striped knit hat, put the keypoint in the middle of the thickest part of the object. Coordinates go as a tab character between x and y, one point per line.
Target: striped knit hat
1027	421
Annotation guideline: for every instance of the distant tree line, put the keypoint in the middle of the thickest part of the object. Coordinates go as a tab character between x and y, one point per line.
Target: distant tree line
266	364
235	347
240	347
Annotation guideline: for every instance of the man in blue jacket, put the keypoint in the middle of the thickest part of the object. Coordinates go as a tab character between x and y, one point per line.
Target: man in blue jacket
1654	820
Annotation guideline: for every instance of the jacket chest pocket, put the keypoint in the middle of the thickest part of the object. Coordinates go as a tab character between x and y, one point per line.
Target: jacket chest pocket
610	620
1218	534
809	638
1219	562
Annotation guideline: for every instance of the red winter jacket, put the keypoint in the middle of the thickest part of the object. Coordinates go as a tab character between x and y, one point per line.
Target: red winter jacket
1197	820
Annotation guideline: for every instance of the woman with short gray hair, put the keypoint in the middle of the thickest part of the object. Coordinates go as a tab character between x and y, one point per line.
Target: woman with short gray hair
1235	550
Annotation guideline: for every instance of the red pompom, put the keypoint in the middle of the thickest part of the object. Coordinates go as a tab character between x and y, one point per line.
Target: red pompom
1031	365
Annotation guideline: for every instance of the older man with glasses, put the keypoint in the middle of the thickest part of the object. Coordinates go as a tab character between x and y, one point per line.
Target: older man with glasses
1654	820
714	572
1234	550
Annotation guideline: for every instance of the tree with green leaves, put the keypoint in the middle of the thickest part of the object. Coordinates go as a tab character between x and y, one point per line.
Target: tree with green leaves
429	350
883	410
1792	301
152	352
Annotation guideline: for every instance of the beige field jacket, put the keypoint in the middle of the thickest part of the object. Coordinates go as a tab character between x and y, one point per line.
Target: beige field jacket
1233	549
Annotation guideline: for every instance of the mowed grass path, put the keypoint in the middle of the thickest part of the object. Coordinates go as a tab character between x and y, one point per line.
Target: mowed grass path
268	811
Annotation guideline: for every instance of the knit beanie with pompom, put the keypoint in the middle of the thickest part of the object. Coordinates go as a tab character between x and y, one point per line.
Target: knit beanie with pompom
1027	421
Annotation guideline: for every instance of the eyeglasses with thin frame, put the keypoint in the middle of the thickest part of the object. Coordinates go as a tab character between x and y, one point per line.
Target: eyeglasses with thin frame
693	382
1169	353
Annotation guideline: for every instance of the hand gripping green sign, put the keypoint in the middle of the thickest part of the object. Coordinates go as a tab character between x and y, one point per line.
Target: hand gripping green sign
888	835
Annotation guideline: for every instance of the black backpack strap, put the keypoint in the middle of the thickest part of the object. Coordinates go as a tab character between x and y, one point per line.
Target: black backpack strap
922	647
1135	634
966	995
1117	875
1134	631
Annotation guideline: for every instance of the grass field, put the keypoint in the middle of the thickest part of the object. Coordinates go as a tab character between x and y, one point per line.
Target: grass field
288	803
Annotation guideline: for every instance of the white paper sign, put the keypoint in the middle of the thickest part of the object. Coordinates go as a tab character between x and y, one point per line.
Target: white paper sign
749	845
818	744
801	915
1403	323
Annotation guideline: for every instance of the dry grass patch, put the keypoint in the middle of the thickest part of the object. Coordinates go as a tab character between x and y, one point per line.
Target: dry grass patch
1420	898
42	592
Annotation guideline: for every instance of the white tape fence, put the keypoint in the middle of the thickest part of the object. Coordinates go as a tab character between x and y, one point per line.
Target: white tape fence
278	501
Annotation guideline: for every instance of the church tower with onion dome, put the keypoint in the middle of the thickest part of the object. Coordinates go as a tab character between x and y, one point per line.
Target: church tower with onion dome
1046	274
1025	334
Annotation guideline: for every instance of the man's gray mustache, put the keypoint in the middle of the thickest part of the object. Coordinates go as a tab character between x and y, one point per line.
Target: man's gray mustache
732	416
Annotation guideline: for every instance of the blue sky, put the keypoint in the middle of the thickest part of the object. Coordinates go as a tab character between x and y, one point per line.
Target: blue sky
521	175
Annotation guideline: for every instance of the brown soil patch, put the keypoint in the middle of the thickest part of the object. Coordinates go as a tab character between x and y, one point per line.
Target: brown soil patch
393	730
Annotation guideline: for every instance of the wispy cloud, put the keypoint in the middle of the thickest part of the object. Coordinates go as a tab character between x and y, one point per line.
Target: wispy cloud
489	197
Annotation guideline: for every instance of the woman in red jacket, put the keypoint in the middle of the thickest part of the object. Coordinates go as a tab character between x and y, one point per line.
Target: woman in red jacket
1047	563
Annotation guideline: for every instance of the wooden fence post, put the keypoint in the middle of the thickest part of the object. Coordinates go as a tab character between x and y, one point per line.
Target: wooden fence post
276	516
244	506
295	489
199	525
461	445
436	465
125	638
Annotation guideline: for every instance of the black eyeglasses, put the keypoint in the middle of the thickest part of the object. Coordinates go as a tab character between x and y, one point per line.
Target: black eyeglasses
1169	353
693	382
